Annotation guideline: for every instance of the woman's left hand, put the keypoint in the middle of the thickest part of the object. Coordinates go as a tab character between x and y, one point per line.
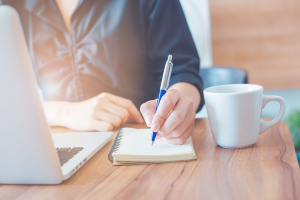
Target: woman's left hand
174	118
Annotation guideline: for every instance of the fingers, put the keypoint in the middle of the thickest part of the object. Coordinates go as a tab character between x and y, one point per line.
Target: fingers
167	103
104	116
182	139
102	126
181	128
125	103
148	110
116	110
180	115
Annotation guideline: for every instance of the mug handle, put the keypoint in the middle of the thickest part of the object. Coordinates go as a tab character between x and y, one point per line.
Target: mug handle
265	125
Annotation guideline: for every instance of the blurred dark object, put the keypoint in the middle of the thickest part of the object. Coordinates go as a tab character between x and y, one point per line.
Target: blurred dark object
222	75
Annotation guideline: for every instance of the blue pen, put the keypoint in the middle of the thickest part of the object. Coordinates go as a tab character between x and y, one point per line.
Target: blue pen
164	86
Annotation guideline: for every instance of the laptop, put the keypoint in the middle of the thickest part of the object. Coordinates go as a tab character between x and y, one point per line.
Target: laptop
29	153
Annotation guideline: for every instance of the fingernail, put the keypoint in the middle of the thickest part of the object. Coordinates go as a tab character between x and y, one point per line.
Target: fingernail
160	133
148	120
155	127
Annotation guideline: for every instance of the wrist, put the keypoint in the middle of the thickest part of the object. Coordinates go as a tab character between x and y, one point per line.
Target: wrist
57	112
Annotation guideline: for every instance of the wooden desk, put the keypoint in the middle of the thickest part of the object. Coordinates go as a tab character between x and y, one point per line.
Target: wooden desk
268	170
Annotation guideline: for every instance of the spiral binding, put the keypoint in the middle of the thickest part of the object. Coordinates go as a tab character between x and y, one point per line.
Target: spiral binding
114	147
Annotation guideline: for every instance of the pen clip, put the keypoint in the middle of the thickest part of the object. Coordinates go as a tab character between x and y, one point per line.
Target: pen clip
169	75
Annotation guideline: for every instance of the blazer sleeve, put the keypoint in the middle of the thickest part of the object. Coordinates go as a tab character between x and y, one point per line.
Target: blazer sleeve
168	33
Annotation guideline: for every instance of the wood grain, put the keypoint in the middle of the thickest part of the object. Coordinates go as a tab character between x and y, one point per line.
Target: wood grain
260	36
268	170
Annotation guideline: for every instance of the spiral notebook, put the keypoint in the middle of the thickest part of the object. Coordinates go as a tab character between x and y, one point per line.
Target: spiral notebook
133	146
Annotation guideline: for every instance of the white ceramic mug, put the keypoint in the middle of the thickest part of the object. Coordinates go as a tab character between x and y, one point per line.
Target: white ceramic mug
234	113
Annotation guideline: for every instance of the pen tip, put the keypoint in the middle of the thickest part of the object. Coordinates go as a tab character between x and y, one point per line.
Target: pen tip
170	58
152	143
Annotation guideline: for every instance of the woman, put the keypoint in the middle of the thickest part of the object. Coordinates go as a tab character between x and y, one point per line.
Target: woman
97	61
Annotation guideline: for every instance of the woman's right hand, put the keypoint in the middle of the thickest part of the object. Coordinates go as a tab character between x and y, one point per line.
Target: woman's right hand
102	113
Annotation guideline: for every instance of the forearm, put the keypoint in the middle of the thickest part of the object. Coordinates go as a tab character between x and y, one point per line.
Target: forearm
190	91
54	112
102	113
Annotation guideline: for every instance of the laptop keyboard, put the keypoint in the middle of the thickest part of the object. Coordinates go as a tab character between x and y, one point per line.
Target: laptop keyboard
66	153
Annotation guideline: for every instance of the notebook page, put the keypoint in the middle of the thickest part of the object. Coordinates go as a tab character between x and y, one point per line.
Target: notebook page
138	142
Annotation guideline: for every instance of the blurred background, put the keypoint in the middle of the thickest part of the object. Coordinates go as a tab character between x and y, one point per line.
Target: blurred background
260	36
